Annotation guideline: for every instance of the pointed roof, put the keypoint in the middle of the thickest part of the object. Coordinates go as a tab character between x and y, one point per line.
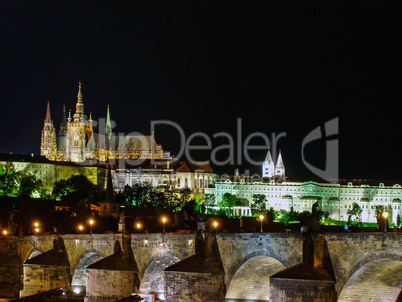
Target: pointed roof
109	196
48	117
117	261
79	107
108	126
268	158
279	163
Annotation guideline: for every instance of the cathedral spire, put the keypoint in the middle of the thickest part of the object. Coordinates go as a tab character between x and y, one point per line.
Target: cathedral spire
108	126
48	118
79	107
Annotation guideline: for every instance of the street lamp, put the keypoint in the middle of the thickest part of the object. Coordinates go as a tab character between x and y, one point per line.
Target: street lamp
91	222
385	216
36	227
5	232
164	219
138	225
215	225
80	227
261	219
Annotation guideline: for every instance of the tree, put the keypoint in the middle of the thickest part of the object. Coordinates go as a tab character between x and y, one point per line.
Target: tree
259	204
227	203
29	185
355	212
76	188
136	195
9	181
398	220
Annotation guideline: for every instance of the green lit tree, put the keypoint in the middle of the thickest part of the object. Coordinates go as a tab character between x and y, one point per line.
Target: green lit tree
354	213
259	204
9	180
76	188
227	203
136	195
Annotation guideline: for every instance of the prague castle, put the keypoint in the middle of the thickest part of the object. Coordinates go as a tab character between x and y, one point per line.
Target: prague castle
76	140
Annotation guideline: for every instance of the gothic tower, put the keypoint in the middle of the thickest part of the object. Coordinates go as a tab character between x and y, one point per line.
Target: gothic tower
280	167
79	130
48	139
268	167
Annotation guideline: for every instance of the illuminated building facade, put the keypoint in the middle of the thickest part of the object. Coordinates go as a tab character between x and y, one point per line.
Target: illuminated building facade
172	175
77	141
336	199
49	172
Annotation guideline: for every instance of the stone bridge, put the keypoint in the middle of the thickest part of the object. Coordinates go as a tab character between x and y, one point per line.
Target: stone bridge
208	267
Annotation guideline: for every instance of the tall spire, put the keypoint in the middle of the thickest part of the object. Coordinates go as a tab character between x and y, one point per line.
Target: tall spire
108	126
63	124
268	158
79	107
48	118
109	194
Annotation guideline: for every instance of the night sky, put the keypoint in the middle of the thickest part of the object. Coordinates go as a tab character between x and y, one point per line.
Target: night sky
281	66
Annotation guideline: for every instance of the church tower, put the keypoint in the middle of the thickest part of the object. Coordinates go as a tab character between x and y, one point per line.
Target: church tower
79	130
280	167
268	167
48	139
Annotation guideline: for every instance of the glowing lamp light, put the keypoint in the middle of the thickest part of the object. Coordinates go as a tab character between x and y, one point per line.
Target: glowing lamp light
5	232
36	224
164	219
385	214
138	225
261	217
80	227
91	222
215	224
36	230
77	290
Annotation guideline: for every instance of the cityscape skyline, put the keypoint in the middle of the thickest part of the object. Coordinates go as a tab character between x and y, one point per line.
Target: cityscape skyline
204	65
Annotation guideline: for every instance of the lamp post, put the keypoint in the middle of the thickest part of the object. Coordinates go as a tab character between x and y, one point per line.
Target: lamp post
91	222
5	232
80	227
385	216
261	219
138	226
164	219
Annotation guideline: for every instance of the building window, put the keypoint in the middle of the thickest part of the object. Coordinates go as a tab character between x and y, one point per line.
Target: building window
186	182
178	182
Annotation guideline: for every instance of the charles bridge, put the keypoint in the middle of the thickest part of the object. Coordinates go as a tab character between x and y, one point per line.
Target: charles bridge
206	266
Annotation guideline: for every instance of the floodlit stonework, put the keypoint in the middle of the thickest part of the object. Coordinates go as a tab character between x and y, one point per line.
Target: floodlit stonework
77	140
336	199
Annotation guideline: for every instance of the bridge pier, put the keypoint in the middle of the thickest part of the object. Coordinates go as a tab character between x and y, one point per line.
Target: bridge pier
200	277
312	280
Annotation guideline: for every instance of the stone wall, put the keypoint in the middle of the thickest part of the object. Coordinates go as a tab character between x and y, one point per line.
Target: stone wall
350	251
40	278
288	290
235	249
194	287
108	285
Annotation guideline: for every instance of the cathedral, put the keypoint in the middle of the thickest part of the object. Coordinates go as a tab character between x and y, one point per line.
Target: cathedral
76	140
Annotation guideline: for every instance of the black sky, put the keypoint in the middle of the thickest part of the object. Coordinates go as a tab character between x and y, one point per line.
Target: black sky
279	65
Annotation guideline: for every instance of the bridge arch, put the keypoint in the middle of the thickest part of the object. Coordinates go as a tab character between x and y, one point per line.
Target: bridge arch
87	258
377	276
152	280
262	252
250	277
